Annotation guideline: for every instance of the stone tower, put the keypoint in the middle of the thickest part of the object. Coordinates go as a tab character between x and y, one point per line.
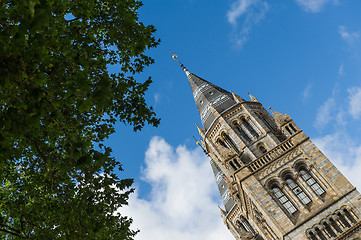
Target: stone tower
274	181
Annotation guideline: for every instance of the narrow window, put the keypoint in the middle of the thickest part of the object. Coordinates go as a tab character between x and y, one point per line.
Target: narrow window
241	226
288	130
268	123
262	149
298	191
349	216
343	220
237	163
222	144
320	234
335	226
312	236
329	230
293	128
232	165
230	142
281	197
249	128
247	225
311	182
244	135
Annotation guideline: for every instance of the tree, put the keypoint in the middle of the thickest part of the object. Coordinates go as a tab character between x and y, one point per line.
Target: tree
58	103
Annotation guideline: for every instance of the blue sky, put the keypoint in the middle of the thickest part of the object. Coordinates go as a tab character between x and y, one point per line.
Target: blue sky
301	57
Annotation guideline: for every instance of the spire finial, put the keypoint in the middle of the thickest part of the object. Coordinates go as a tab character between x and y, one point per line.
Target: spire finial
237	98
175	57
252	98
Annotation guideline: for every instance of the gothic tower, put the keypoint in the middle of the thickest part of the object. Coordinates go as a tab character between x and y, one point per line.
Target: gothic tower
274	181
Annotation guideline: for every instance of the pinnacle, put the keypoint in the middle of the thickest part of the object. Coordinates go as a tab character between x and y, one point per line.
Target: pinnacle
280	118
253	98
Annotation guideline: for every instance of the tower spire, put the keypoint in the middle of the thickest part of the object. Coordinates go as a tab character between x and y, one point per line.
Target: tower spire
207	95
175	57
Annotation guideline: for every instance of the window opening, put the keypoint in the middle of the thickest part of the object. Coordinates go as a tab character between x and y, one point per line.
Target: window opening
232	165
349	216
335	226
268	123
230	142
301	195
249	128
262	149
288	130
320	234
284	200
223	144
311	182
312	236
247	225
240	225
329	230
237	163
293	128
343	220
243	134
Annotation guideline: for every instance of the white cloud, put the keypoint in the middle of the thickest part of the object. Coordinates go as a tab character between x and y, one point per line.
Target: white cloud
349	37
354	102
313	5
238	8
182	202
341	70
251	12
344	153
306	92
156	98
325	113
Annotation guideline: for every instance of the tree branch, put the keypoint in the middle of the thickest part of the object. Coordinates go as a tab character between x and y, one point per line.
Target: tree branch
12	232
74	19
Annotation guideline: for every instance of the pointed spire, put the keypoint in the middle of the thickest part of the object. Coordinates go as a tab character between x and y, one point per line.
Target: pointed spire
201	131
237	98
252	98
175	57
280	118
222	211
207	95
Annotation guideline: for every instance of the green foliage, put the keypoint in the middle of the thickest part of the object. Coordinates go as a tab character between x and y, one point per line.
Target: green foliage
58	103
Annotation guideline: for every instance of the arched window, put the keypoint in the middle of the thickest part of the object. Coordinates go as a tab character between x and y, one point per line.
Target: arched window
237	163
246	225
312	236
241	226
230	142
292	127
298	191
320	234
349	216
288	130
232	165
223	144
311	182
282	198
243	134
343	220
329	229
262	149
335	225
246	124
268	122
